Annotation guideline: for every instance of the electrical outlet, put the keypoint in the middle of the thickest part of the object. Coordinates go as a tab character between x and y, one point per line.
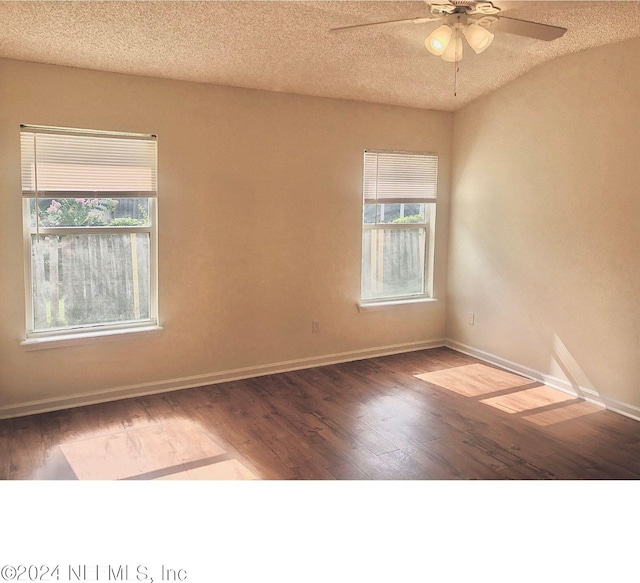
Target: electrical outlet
315	327
470	318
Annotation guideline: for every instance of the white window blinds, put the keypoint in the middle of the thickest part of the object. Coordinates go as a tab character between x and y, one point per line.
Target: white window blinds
70	163
396	177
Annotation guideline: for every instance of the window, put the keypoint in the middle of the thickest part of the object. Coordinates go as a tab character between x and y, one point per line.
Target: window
399	209
89	206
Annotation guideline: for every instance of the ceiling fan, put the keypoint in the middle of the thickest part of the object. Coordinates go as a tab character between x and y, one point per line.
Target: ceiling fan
474	20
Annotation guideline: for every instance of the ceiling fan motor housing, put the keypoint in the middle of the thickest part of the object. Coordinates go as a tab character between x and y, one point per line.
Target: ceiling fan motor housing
464	7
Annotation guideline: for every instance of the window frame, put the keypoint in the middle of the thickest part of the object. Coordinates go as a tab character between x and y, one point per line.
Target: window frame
426	295
94	330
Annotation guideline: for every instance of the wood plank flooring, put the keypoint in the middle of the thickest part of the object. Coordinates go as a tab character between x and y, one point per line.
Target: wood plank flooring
428	415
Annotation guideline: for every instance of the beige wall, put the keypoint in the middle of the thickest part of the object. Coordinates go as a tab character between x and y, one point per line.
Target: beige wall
259	226
545	222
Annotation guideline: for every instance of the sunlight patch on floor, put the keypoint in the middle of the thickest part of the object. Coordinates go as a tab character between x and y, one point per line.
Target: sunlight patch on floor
564	413
225	470
528	399
479	380
153	452
474	379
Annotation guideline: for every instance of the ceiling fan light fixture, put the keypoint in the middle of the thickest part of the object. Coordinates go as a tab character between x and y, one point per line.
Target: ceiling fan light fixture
439	40
453	52
478	37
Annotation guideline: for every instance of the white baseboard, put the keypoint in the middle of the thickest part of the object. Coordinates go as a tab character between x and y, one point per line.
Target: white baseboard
551	381
139	390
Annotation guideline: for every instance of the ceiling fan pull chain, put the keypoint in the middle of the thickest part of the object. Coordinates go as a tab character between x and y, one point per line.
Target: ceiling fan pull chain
455	80
457	63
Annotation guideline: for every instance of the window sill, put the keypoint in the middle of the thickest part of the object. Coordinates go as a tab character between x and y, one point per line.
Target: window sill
82	338
387	305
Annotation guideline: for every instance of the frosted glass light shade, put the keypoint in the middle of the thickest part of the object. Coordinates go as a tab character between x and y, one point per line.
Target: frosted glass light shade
438	41
453	52
478	37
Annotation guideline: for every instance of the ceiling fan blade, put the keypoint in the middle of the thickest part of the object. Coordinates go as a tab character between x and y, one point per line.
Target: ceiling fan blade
526	28
417	20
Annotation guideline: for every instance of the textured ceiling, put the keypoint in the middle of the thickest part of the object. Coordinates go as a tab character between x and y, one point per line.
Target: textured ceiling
287	46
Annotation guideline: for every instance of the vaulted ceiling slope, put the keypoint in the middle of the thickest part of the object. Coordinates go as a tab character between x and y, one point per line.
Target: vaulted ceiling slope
288	46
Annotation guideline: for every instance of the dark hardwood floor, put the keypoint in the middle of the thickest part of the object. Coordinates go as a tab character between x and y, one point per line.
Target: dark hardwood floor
428	415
